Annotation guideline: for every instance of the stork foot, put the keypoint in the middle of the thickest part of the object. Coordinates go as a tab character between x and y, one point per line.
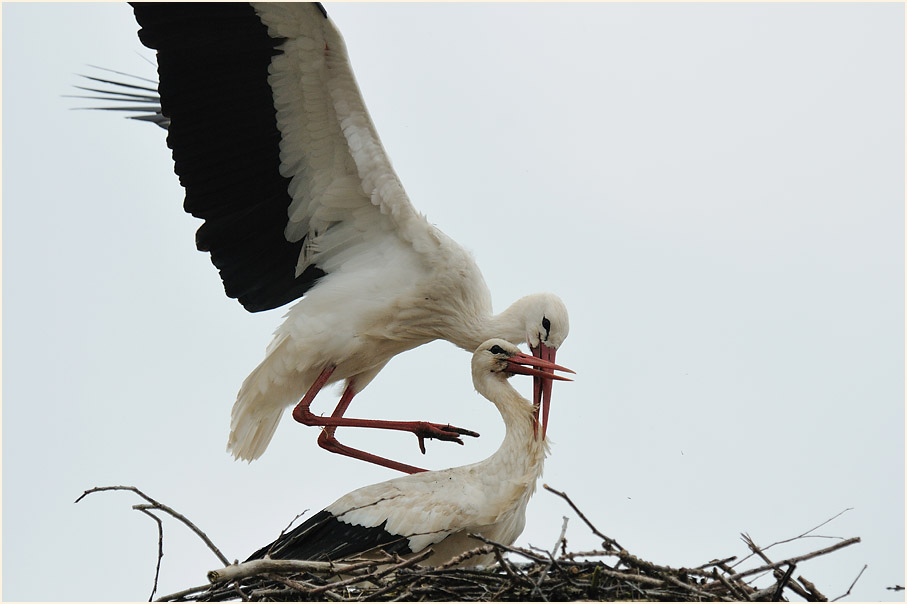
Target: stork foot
424	430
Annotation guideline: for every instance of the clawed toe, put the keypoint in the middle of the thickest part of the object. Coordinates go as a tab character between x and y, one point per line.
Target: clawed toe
441	432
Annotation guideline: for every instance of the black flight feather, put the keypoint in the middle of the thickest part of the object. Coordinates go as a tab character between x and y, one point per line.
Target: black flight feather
213	63
324	537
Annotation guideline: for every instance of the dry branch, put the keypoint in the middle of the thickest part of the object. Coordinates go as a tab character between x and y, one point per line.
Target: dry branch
609	574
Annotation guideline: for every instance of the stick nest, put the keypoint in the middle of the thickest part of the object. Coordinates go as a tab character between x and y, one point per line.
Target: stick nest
607	574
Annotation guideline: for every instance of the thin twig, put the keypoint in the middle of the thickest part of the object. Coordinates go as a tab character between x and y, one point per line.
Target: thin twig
796	559
715	563
865	566
307	588
507	568
609	542
418	558
738	594
160	506
537	588
507	548
160	547
777	571
802	535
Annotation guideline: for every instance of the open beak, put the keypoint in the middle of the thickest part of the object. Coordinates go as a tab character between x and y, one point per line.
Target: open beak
542	381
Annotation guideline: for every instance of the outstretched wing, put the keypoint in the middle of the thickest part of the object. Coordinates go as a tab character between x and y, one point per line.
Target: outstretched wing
273	144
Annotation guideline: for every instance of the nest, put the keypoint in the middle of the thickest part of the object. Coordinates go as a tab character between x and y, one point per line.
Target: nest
608	574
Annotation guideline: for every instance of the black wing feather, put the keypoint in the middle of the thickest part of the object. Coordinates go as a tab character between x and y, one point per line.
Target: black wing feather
324	537
213	63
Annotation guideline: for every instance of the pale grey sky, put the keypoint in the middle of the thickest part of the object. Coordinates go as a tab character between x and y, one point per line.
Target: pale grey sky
715	190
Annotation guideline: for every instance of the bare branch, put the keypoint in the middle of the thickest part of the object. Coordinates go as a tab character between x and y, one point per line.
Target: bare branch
251	568
160	506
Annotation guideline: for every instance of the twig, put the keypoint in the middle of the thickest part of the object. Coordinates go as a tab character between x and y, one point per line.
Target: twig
776	597
160	546
595	552
179	595
507	548
739	595
508	569
306	588
690	588
160	506
796	559
561	540
457	560
536	589
852	584
715	563
418	558
241	593
802	535
251	568
776	572
609	542
816	595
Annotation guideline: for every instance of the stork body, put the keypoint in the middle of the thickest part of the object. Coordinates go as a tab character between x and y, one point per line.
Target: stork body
277	153
439	509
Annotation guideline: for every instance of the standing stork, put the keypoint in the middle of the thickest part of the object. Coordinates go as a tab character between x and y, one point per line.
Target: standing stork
440	509
276	151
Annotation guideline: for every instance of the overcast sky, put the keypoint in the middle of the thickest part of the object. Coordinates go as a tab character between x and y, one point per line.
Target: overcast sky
715	190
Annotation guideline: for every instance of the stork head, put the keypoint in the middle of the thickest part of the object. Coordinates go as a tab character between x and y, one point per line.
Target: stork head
544	320
505	359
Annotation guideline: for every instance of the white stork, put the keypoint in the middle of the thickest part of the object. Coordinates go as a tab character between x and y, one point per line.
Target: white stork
439	509
273	144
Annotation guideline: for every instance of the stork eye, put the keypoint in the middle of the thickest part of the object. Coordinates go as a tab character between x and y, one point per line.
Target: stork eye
547	325
497	350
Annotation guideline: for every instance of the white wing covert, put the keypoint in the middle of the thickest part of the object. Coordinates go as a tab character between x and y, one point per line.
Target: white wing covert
343	188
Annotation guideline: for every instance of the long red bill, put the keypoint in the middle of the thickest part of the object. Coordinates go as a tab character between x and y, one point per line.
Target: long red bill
524	364
542	384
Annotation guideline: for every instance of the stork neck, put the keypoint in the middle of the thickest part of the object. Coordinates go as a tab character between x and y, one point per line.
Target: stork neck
468	335
522	452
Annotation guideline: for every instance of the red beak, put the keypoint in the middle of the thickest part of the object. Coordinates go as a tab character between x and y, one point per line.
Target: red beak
542	382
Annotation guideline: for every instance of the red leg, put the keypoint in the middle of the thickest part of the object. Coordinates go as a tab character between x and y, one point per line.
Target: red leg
329	443
326	440
301	412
